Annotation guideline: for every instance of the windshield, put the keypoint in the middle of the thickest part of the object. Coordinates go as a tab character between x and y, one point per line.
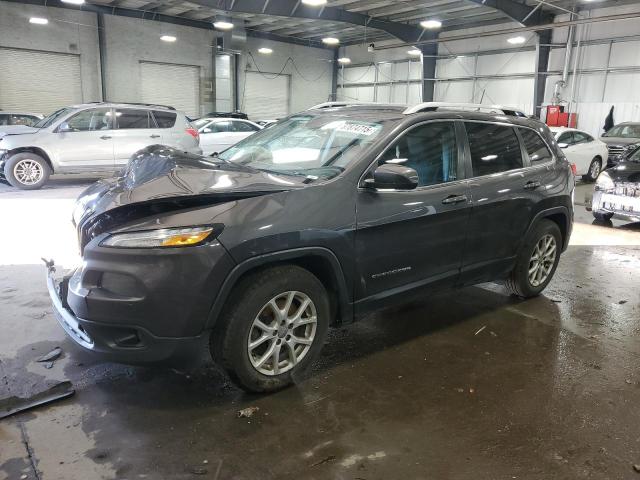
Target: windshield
624	131
305	145
48	121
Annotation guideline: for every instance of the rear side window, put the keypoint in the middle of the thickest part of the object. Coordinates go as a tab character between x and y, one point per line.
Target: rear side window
165	119
580	137
243	127
494	148
535	146
131	118
430	149
4	119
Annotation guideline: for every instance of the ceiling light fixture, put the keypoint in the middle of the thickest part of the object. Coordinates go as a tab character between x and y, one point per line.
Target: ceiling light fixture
431	24
223	25
330	40
38	20
168	38
344	60
74	2
516	40
314	3
415	52
265	51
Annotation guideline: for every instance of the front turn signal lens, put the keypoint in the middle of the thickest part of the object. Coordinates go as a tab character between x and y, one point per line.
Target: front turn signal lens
164	237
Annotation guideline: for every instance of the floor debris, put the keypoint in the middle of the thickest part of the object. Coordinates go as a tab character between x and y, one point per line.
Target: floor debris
51	356
12	405
480	329
328	459
247	412
636	468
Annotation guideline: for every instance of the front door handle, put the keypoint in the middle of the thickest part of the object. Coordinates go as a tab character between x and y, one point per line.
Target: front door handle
155	136
451	199
105	137
532	185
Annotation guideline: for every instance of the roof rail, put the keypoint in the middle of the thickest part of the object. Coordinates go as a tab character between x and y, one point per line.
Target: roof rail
320	106
433	106
146	105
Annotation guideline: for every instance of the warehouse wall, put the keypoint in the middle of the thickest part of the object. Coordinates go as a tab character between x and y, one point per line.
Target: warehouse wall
68	31
310	70
609	70
130	41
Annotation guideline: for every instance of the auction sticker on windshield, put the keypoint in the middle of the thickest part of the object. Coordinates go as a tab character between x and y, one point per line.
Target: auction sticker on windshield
361	129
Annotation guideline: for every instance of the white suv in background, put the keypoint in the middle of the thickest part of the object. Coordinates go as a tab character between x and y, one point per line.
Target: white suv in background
93	137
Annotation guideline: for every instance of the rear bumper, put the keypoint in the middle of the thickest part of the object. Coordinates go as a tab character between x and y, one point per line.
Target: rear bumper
120	343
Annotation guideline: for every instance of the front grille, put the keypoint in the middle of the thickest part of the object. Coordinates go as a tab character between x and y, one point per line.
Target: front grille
627	189
615	150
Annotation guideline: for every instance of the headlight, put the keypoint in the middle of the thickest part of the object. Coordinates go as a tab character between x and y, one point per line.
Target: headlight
604	182
165	237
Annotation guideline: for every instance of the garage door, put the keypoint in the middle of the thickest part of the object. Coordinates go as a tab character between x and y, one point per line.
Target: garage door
38	81
267	96
177	86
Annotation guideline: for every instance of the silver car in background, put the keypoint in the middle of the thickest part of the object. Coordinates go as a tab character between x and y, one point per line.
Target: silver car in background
17	121
91	138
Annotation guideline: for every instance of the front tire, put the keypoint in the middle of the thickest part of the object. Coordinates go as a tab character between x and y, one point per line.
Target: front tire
27	171
537	261
595	167
272	329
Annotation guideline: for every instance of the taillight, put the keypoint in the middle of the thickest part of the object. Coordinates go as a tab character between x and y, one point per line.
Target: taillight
193	132
574	169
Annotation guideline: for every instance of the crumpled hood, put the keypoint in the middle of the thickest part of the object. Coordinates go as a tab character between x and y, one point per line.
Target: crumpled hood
625	172
17	130
619	140
164	175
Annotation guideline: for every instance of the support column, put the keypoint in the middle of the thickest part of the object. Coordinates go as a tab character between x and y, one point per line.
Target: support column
334	76
102	50
429	54
542	65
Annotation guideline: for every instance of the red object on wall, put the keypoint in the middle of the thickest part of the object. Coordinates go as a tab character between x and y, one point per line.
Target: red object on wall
553	112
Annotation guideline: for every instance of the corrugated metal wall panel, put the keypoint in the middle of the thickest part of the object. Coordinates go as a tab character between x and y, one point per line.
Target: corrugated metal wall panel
177	86
266	96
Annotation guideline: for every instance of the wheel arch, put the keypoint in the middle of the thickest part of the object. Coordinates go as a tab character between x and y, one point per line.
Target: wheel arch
561	217
320	261
38	151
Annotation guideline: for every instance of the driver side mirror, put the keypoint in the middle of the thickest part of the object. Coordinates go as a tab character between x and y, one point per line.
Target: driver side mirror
64	127
206	130
563	145
392	176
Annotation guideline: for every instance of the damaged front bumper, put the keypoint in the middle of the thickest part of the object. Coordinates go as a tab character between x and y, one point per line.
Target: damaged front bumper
623	207
130	344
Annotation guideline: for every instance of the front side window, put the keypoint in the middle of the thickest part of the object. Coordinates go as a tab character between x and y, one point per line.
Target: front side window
91	120
566	138
306	145
220	127
494	148
129	118
430	149
536	148
243	127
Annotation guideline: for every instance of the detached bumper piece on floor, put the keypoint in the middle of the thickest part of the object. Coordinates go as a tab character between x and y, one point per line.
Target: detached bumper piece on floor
13	405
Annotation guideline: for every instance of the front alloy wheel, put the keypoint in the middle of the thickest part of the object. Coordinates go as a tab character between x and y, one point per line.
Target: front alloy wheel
28	172
282	333
542	260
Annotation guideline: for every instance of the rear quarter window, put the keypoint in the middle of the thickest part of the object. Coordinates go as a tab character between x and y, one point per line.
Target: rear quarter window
165	119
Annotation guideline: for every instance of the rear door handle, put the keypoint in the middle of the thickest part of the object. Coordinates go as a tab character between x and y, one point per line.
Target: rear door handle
155	136
105	137
451	199
532	185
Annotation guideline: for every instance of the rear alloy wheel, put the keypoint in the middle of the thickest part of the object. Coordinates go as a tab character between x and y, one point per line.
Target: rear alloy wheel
27	171
537	261
594	169
272	329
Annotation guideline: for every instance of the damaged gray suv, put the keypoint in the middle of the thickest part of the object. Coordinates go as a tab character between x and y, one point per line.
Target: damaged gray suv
327	215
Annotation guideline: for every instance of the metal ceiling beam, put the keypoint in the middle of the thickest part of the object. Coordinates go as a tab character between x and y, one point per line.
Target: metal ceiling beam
295	9
518	12
158	17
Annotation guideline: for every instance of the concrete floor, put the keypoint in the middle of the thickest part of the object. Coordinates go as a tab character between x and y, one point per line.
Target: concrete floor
471	384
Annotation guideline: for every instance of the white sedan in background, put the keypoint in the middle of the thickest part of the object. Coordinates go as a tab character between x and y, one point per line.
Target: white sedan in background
587	153
218	134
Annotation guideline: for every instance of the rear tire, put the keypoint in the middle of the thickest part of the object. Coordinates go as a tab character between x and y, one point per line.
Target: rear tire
537	261
595	167
27	171
262	349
